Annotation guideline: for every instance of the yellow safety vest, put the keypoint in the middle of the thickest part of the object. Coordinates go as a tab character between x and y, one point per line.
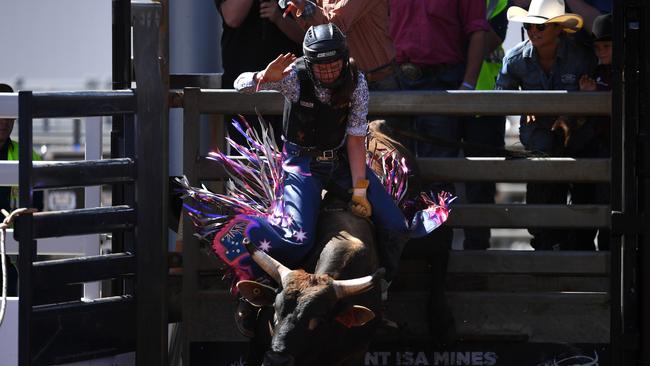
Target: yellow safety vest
12	154
492	64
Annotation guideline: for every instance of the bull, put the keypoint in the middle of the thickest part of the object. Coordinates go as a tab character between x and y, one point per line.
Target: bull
327	312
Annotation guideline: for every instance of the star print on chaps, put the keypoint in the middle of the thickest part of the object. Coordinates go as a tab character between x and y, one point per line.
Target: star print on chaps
228	245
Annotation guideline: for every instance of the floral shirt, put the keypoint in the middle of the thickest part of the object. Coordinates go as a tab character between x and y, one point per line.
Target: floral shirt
289	86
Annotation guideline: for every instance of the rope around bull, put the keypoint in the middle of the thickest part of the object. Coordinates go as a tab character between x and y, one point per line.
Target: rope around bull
6	223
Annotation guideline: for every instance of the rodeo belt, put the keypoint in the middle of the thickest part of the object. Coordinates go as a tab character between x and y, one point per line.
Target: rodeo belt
320	155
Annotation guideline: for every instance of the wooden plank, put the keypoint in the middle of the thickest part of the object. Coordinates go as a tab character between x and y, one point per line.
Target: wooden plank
450	102
538	317
485	169
529	216
530	262
515	170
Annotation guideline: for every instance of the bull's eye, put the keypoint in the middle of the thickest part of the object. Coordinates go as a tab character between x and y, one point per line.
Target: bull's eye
256	291
313	323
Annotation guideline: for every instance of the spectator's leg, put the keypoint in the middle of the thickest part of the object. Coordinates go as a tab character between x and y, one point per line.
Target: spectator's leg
488	131
582	238
442	127
541	139
553	194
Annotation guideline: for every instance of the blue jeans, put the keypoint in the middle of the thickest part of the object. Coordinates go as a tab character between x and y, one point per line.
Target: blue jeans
305	179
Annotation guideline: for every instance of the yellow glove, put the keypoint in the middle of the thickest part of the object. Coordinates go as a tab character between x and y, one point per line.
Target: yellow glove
359	205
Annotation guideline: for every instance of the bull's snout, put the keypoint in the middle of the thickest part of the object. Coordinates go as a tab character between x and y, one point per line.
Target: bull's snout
277	359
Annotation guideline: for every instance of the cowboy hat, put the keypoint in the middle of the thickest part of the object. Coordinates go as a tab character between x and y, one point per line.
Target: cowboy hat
546	11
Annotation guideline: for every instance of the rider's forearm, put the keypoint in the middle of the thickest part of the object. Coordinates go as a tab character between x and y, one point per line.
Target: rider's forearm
356	146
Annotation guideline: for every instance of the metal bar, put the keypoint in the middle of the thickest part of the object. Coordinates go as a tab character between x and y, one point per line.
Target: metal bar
616	184
83	173
83	330
643	187
73	307
82	221
24	227
83	103
630	241
191	118
121	75
82	269
529	216
152	130
458	103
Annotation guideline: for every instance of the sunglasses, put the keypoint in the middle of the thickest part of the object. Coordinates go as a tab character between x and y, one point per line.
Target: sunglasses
540	27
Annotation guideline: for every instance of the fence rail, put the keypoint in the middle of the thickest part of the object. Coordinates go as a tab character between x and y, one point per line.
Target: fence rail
458	103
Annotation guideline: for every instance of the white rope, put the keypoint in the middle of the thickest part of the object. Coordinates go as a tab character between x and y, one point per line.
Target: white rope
9	218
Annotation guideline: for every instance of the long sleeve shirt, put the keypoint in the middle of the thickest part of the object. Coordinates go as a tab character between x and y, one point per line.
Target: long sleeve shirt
289	86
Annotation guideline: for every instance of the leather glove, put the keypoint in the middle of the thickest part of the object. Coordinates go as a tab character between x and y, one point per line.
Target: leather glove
359	204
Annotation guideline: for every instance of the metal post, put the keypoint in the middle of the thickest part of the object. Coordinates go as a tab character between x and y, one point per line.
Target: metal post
92	196
643	166
151	187
191	118
121	42
616	186
24	226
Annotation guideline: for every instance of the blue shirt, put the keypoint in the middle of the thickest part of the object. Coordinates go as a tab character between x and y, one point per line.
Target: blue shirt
521	68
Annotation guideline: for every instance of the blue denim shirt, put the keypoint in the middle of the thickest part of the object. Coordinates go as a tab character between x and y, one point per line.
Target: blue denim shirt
522	70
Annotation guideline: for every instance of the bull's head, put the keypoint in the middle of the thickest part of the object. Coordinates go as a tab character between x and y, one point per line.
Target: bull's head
307	309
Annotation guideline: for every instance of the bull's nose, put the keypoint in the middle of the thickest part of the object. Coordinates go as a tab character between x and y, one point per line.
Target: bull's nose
277	359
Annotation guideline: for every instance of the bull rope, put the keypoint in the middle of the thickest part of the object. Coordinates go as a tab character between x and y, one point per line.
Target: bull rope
6	223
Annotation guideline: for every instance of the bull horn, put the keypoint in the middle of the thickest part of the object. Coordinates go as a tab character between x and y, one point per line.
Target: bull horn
355	286
275	269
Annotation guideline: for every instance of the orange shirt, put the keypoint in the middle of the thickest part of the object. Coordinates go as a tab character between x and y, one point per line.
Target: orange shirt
364	22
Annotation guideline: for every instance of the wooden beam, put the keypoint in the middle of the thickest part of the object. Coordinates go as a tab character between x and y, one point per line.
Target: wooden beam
451	102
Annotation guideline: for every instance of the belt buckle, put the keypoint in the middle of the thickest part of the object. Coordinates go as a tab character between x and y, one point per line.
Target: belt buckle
411	71
326	156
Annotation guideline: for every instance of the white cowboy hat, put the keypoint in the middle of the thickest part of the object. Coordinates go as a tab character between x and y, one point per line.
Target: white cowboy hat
546	11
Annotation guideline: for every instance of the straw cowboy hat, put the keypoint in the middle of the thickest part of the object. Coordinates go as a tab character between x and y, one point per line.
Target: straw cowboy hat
546	11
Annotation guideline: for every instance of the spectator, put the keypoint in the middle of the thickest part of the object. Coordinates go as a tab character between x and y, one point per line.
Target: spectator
254	33
365	24
599	127
548	60
587	9
439	45
9	195
491	129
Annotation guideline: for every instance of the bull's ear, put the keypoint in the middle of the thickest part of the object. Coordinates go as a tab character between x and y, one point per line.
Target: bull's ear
256	293
355	316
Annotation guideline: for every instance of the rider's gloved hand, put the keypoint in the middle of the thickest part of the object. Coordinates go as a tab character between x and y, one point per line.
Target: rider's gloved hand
359	204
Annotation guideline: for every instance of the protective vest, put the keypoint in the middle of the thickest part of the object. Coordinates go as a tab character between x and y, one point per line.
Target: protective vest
12	154
310	123
492	63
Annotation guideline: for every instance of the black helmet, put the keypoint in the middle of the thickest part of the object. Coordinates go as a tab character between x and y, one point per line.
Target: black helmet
324	44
